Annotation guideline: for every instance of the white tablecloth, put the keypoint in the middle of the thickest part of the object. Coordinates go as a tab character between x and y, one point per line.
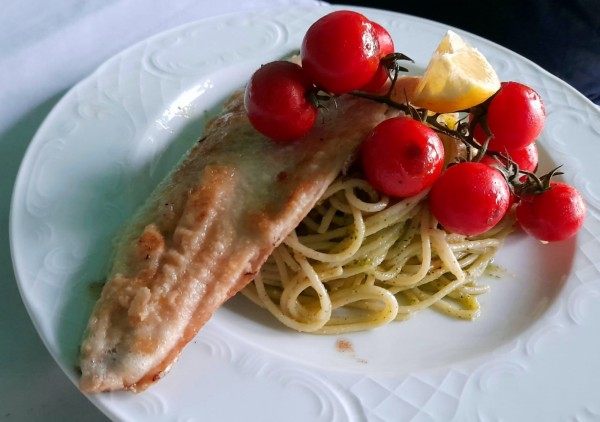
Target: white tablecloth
45	48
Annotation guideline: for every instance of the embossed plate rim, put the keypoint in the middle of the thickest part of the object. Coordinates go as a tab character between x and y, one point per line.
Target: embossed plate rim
343	396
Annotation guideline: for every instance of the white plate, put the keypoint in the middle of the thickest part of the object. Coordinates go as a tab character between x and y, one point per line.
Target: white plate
532	355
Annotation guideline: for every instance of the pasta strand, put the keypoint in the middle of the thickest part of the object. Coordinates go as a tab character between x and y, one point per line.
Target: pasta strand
361	260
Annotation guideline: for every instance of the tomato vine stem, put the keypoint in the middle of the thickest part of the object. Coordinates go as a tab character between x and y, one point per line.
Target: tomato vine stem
463	133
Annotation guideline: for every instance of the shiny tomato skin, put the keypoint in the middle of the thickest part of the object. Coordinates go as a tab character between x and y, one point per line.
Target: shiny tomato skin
377	82
384	39
469	198
386	46
340	52
526	158
401	157
553	215
276	101
516	117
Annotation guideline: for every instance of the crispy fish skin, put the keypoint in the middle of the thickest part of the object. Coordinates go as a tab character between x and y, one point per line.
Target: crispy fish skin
204	233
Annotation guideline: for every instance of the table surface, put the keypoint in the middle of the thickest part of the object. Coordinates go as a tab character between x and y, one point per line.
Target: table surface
45	49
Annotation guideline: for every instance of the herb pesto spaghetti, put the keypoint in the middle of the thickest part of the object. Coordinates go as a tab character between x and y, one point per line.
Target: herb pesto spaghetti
360	260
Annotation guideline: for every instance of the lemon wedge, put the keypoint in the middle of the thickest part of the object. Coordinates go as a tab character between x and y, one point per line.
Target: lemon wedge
457	77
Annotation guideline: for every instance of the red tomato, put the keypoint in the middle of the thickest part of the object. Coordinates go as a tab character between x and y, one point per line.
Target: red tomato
553	215
340	52
516	117
402	156
386	46
276	101
526	158
469	198
386	43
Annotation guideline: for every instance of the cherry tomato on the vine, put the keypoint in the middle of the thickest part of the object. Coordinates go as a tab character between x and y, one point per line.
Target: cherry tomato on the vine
386	46
276	101
526	158
552	215
340	52
515	117
469	198
402	156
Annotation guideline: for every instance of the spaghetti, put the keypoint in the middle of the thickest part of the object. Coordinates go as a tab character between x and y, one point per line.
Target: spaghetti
359	261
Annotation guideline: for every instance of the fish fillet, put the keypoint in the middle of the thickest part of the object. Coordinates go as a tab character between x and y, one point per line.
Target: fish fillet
204	233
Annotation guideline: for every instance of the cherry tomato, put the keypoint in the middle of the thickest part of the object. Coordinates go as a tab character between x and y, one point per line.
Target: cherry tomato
553	215
340	52
384	39
386	46
276	101
469	198
516	117
526	158
402	156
